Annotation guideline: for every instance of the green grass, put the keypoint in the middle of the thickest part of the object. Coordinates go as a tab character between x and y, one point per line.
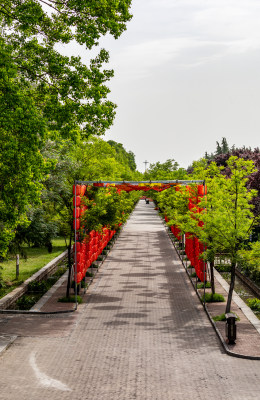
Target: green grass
36	259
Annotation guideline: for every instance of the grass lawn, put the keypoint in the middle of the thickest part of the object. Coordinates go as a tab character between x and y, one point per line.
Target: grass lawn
37	258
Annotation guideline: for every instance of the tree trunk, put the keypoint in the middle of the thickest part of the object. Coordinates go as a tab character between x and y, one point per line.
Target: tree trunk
232	284
212	280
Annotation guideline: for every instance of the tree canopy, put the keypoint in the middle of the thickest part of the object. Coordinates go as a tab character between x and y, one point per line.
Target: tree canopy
47	96
123	156
166	170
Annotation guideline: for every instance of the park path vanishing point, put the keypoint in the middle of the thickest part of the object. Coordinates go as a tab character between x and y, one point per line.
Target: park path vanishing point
142	334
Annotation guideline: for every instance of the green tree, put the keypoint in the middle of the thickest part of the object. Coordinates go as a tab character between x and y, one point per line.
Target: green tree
224	145
226	213
90	160
22	131
68	93
222	148
165	171
228	217
46	94
125	157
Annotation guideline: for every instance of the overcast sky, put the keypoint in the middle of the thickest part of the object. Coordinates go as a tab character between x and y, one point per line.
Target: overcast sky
186	74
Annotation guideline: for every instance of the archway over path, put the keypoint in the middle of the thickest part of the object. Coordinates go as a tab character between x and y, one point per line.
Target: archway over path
88	249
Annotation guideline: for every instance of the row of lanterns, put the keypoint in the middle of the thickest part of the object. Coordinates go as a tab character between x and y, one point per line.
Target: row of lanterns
87	250
193	248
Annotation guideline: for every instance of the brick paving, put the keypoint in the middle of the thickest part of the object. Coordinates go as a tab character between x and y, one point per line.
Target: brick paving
142	334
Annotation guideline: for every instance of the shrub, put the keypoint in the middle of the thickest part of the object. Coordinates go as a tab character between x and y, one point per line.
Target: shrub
39	287
83	284
70	299
254	304
223	267
26	302
222	317
213	298
201	285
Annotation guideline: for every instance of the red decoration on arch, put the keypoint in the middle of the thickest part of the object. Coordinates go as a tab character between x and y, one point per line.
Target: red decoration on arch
89	250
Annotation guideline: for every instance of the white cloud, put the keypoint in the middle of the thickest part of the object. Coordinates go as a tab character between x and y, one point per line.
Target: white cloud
189	33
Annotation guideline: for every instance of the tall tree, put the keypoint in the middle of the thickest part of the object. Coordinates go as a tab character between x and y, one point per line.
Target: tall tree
228	219
46	94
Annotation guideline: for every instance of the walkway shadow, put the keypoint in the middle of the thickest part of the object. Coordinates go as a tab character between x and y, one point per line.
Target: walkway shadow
102	299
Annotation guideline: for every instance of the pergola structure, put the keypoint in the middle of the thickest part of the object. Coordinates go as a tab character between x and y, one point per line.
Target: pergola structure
157	185
141	185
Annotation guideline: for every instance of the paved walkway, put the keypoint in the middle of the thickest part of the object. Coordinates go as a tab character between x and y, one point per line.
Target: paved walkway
142	334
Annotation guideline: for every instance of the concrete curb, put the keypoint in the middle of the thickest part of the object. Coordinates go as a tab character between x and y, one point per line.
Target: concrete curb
5	342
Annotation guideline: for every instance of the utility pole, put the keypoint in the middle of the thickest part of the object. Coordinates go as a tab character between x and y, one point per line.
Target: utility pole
145	163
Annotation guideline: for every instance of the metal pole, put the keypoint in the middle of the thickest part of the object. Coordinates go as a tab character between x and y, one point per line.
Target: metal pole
75	241
204	266
85	284
179	182
145	162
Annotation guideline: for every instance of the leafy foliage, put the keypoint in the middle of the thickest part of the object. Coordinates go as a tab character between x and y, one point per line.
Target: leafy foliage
22	167
40	232
68	94
107	207
123	156
45	94
165	171
225	216
254	304
249	262
91	160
